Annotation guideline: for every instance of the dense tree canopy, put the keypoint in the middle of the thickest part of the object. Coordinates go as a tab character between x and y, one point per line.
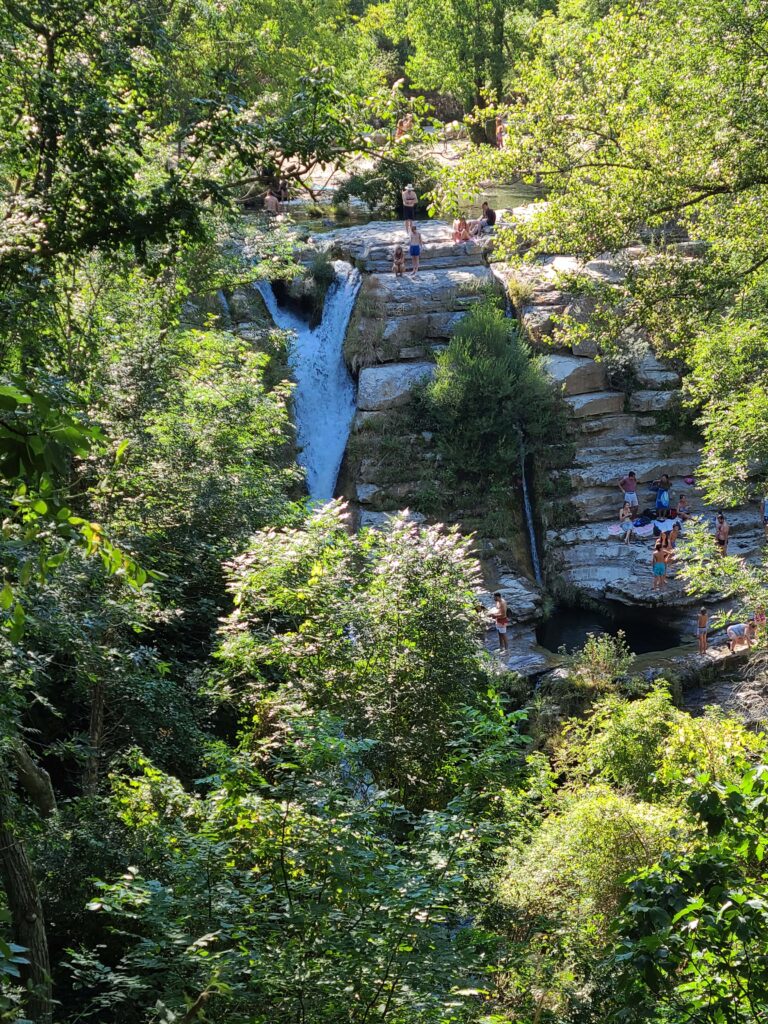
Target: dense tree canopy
256	766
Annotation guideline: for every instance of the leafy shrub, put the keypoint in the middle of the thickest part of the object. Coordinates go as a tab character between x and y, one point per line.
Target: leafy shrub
602	661
653	748
380	187
490	400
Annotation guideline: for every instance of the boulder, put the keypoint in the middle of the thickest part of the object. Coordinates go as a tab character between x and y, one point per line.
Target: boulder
381	520
246	305
366	493
600	403
606	269
653	375
387	386
576	376
363	418
651	401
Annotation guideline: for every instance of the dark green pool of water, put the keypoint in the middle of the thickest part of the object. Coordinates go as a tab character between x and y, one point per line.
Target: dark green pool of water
569	627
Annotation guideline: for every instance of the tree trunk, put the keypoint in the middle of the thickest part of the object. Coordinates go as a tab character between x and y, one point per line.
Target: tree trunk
95	737
26	913
34	780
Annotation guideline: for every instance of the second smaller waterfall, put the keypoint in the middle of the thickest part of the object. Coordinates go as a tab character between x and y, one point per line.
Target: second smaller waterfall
529	521
324	398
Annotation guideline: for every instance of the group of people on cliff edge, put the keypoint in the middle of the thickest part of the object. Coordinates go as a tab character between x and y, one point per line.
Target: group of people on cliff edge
463	231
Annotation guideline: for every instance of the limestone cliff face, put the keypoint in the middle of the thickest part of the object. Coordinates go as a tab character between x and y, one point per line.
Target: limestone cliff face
398	326
613	431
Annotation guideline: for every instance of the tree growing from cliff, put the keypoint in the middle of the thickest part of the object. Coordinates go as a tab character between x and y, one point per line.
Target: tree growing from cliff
642	118
491	401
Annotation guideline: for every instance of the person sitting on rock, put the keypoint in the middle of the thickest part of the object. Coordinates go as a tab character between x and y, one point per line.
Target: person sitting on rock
398	261
683	509
741	631
486	220
460	230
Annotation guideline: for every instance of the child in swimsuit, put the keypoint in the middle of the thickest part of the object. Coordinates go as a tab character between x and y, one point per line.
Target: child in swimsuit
398	262
701	629
415	250
625	521
659	563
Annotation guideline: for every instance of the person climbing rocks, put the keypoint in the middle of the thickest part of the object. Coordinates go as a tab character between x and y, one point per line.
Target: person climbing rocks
628	486
415	249
501	618
722	533
410	199
741	631
702	624
659	565
398	261
625	522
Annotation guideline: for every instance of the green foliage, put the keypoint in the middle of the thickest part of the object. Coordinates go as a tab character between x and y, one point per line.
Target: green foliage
692	937
378	627
602	663
286	887
652	749
561	889
380	187
490	401
459	50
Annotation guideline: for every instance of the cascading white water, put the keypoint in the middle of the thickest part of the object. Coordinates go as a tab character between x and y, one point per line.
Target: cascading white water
529	521
324	397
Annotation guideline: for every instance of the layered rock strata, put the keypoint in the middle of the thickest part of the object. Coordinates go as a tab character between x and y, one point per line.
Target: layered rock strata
613	431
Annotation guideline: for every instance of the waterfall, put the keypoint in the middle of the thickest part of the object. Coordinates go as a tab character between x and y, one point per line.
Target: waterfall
510	313
324	396
529	520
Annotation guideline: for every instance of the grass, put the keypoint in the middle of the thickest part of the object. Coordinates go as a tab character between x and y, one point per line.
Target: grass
364	344
519	291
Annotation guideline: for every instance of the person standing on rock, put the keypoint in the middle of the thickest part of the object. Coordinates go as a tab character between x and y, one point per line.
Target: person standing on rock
722	533
271	204
500	617
702	624
410	199
628	485
659	565
662	493
625	522
415	249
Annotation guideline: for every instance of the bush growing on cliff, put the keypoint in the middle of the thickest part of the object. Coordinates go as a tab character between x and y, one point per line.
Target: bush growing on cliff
380	187
490	400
